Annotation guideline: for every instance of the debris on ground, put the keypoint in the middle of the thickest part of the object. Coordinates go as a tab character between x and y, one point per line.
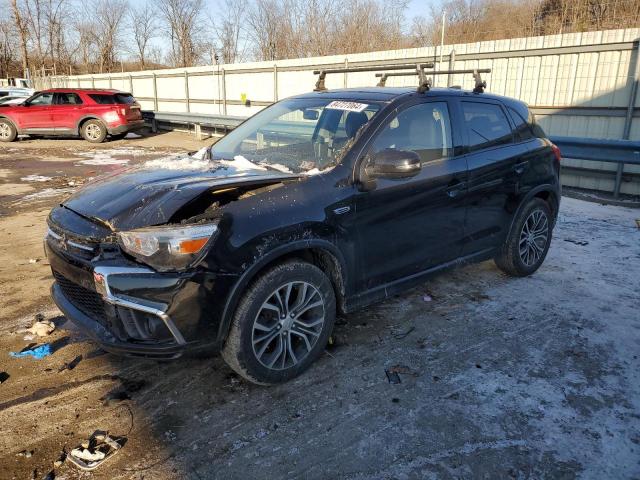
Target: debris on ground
25	453
34	260
4	376
400	335
427	298
42	328
393	373
63	456
70	365
582	243
94	452
37	352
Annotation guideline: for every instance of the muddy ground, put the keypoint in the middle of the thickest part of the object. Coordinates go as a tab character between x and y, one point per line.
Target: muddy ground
503	378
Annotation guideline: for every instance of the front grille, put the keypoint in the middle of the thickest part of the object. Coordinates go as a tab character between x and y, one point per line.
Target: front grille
85	300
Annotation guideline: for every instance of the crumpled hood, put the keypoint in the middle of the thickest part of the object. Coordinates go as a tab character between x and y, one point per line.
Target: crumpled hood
151	193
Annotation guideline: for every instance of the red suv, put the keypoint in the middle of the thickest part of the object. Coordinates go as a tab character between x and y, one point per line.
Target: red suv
91	113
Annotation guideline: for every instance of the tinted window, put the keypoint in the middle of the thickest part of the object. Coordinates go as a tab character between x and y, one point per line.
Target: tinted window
487	125
113	99
424	128
523	130
42	99
68	99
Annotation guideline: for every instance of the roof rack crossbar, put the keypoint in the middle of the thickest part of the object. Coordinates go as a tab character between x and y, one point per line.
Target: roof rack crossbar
320	86
480	85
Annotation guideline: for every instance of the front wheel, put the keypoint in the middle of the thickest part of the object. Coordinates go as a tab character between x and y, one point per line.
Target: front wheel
282	323
528	242
94	131
8	132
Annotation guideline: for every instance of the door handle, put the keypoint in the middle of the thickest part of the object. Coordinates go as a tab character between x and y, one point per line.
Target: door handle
455	188
519	168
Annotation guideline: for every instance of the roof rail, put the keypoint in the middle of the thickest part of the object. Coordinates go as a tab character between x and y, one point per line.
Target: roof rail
424	83
320	86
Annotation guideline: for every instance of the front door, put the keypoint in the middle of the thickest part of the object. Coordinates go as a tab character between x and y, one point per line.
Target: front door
36	114
409	225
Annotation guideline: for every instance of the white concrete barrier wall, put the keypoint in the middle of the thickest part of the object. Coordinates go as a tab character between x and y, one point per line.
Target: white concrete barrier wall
576	70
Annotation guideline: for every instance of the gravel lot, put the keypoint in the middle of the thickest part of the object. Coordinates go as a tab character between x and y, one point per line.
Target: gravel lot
500	378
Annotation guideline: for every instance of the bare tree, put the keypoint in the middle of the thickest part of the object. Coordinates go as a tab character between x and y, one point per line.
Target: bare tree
228	30
23	32
107	22
7	47
142	23
183	26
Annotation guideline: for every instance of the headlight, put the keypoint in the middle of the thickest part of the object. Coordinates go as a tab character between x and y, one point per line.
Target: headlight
168	248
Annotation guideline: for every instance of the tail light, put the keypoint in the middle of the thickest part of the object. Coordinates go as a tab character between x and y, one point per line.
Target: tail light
556	152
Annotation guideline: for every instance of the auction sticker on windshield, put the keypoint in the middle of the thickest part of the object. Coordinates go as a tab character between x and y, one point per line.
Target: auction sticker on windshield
348	106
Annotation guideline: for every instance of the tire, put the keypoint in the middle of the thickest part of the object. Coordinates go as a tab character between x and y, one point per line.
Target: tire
94	131
267	348
119	136
8	132
528	242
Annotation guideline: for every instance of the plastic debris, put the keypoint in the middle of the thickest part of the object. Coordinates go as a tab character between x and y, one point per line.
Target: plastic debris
94	452
427	298
70	365
4	376
393	373
42	328
38	352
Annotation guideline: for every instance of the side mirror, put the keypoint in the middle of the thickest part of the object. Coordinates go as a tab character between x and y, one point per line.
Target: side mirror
310	114
394	164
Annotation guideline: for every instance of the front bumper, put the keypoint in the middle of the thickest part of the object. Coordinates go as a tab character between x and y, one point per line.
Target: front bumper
127	127
133	310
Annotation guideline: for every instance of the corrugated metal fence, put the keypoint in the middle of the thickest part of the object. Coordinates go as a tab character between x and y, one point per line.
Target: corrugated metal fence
579	84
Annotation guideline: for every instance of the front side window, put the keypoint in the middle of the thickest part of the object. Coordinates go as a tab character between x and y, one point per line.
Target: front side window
298	135
42	99
486	124
424	128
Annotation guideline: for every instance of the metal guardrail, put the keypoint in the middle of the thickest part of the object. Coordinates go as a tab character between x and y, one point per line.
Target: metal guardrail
601	150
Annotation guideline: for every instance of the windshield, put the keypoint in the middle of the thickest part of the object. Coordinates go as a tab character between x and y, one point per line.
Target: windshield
300	135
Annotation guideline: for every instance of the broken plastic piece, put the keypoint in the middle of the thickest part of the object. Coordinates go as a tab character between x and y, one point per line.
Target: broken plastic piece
99	449
38	352
42	328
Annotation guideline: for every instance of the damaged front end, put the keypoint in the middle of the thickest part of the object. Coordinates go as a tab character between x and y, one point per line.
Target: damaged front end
129	258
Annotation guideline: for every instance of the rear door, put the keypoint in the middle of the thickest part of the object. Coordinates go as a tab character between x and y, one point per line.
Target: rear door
496	162
66	111
36	115
407	226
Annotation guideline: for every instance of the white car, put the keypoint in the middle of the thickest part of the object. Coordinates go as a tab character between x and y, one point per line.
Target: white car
12	100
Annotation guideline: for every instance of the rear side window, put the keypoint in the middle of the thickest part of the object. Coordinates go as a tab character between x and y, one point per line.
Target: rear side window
68	99
523	129
112	99
486	124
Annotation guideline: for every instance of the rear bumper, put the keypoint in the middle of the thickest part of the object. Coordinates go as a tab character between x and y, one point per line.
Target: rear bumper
127	127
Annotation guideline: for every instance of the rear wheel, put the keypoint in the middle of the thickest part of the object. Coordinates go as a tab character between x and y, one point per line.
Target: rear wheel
282	323
8	132
528	243
94	131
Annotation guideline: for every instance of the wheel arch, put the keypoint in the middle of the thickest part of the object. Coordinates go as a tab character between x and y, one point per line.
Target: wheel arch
85	119
321	253
546	192
8	119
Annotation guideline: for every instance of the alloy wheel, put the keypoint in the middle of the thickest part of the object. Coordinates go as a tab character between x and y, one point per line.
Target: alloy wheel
93	131
288	325
5	131
534	237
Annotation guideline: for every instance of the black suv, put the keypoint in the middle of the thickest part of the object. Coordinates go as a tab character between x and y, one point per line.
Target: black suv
321	203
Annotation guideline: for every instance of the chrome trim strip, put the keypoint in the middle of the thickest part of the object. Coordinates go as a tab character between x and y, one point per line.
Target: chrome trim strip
105	291
52	234
80	246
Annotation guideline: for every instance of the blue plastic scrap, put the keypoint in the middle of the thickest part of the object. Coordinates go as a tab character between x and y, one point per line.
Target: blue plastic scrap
38	352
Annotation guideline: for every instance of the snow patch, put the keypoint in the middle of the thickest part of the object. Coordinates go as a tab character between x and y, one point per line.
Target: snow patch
35	178
47	193
241	164
179	163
